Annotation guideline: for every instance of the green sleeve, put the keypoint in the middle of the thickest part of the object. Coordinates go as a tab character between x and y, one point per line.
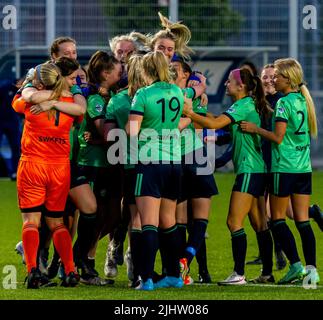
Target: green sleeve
236	113
95	106
190	92
138	103
29	85
282	110
109	114
197	108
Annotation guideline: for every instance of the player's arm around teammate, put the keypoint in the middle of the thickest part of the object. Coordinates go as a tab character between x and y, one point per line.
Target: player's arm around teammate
294	124
43	179
247	158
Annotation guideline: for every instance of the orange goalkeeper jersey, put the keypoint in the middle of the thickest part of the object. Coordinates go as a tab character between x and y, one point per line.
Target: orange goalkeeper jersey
44	139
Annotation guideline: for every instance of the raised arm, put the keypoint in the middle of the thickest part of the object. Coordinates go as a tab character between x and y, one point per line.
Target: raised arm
200	87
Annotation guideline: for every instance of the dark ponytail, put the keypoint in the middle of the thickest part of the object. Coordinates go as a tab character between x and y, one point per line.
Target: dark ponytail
254	86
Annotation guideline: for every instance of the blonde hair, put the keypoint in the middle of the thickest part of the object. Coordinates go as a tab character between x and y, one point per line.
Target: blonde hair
136	38
156	67
135	78
292	70
50	76
177	32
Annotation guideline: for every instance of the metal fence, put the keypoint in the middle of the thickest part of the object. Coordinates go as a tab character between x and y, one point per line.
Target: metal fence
213	23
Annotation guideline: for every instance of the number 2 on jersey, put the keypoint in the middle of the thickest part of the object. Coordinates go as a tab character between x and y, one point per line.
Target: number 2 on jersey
172	108
298	132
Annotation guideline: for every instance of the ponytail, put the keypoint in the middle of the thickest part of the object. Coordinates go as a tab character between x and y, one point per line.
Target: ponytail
156	66
254	86
262	105
312	120
292	70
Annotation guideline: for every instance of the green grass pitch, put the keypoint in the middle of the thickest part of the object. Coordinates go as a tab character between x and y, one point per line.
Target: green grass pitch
219	259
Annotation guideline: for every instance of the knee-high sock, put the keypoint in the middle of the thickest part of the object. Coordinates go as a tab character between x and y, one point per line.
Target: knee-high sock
169	238
44	236
277	245
149	249
308	242
195	238
63	244
181	231
163	251
265	244
286	239
86	234
30	242
201	258
136	247
239	250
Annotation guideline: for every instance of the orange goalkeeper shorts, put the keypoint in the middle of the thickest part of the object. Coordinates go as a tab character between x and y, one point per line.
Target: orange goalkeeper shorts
41	184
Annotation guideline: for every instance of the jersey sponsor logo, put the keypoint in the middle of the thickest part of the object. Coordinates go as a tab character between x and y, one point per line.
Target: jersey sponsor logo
302	148
52	139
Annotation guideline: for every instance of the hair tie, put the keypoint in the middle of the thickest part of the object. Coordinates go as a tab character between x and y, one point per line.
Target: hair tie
38	72
237	75
301	84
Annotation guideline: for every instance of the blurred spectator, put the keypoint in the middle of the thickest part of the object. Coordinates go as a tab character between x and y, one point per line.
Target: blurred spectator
10	126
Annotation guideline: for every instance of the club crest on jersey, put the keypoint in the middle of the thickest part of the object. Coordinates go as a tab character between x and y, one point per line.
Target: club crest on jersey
231	110
99	108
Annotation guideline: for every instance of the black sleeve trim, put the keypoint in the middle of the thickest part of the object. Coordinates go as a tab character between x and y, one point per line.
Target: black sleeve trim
194	93
229	116
281	120
139	113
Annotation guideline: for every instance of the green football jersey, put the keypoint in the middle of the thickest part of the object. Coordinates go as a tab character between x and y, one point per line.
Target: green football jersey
293	154
74	142
91	154
190	141
247	155
161	105
118	111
